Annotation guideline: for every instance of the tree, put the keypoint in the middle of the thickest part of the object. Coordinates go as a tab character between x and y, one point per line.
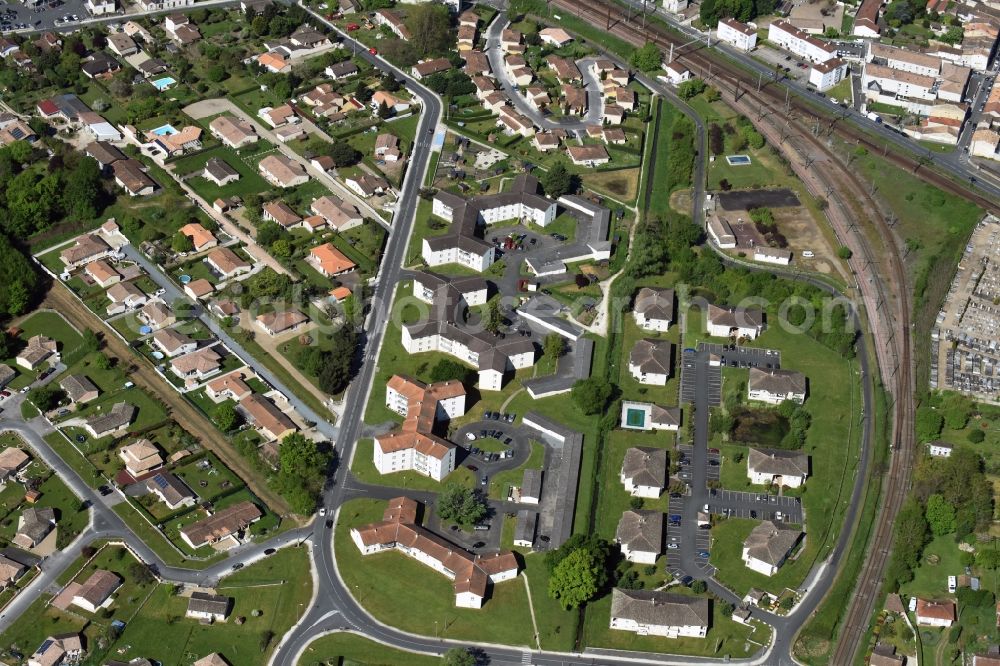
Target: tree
302	466
976	436
988	558
554	346
268	232
458	657
940	515
217	73
726	609
384	111
929	423
844	252
343	154
225	417
45	397
956	409
493	319
181	243
691	87
430	29
21	283
647	58
281	248
140	573
91	342
461	505
699	587
557	181
338	363
635	503
103	362
449	370
577	579
591	395
83	195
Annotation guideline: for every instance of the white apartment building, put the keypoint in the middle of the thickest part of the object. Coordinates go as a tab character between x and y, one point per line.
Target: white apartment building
800	43
775	386
881	81
738	34
903	60
675	6
825	75
655	613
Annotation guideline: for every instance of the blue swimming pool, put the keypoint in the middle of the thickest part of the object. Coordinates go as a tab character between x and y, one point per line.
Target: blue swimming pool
738	160
164	83
164	130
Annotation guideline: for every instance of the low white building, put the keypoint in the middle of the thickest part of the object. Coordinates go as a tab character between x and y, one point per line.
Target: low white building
209	607
738	34
640	536
651	361
768	546
734	322
655	613
778	467
644	471
800	43
772	255
935	613
676	73
825	75
647	416
653	309
939	449
774	386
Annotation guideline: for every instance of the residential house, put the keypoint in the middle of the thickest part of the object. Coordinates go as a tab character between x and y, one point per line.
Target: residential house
96	591
33	526
85	249
429	67
341	70
197	365
734	322
12	461
56	650
366	185
935	613
265	416
555	37
210	607
224	524
640	536
214	659
644	471
156	314
282	171
233	132
777	467
387	147
124	296
394	22
199	289
219	172
281	214
939	449
104	153
229	387
768	546
651	361
141	457
172	342
279	115
653	309
170	490
201	238
531	486
122	44
337	213
130	175
39	349
227	263
102	273
525	528
282	321
10	572
100	66
511	41
329	261
111	421
7	374
307	37
274	62
79	389
613	114
676	73
774	386
655	613
588	155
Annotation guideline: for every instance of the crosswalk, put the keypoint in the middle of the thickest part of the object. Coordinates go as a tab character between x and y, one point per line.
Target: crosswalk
525	657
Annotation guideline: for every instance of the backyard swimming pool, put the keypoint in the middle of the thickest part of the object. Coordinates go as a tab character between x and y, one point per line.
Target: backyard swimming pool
164	83
164	130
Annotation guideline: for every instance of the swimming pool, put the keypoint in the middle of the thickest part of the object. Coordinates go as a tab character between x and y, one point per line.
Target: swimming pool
738	160
164	130
164	83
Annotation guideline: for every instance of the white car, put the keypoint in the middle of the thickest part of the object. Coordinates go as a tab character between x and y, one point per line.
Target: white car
808	254
322	511
470	436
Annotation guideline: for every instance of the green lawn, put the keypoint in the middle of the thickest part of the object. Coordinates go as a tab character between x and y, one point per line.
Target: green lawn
347	648
384	584
502	481
279	586
727	549
614	499
250	181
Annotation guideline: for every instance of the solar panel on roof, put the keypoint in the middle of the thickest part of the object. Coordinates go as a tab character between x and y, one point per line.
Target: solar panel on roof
160	481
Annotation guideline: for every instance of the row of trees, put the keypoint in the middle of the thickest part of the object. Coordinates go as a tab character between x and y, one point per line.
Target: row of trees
711	11
302	469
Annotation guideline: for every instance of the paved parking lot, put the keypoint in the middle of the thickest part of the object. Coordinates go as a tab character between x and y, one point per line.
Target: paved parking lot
759	506
712	470
744	357
689	379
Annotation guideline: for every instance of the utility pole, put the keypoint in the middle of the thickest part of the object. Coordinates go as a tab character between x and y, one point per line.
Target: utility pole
787	99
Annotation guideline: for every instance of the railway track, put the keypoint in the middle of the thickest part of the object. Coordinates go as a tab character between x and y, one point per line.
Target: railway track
796	124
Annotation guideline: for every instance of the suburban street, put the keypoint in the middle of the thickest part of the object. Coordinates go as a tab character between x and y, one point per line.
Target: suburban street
334	607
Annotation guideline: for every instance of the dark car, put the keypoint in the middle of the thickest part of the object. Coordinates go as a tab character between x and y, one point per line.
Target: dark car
687	580
473	468
329	524
507	441
479	544
270	551
238	565
676	495
753	514
675	517
104	490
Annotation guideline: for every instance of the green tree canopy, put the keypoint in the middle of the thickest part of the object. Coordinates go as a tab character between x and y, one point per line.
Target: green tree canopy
648	57
557	181
591	395
940	515
461	505
577	579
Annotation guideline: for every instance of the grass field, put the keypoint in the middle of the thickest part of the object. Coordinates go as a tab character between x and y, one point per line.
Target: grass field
384	584
502	481
622	184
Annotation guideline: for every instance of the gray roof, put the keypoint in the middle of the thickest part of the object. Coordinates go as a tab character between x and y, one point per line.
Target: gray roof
735	317
7	373
173	489
346	68
770	543
104	152
524	529
220	169
659	608
671	415
641	530
531	483
778	382
778	462
652	356
202	602
36	523
121	414
645	466
77	386
655	303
